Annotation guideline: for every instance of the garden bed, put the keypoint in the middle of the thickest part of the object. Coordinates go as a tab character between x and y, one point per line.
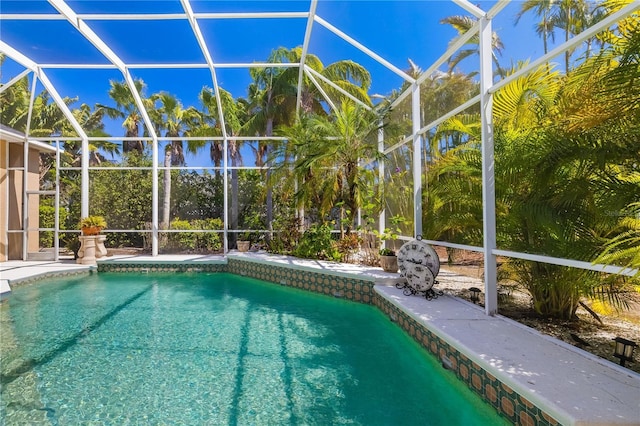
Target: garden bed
585	332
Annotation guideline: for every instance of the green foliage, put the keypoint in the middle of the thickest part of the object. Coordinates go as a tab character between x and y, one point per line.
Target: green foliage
565	176
347	246
624	248
123	197
93	221
194	241
387	252
566	161
210	241
555	290
182	240
251	193
316	243
391	234
70	197
329	153
71	242
47	220
197	195
286	234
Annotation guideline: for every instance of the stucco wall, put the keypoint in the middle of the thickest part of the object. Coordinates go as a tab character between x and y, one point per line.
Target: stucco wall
4	181
12	188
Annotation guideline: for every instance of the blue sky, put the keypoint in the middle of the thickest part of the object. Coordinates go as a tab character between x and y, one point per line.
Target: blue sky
396	30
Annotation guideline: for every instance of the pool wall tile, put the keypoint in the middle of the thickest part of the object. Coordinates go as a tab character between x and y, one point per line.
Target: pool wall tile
514	407
350	288
160	267
60	274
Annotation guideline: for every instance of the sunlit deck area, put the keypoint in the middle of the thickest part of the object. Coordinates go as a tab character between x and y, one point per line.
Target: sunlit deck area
568	384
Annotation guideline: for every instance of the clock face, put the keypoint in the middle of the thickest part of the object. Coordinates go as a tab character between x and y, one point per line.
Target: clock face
418	253
420	277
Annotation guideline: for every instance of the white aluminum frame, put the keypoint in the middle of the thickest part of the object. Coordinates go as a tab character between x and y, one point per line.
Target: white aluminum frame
482	29
488	167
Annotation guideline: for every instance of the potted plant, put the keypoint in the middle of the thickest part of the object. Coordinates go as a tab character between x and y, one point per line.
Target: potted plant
244	241
91	241
388	260
92	225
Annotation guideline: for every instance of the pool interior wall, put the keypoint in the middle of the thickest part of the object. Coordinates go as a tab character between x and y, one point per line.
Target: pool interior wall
508	403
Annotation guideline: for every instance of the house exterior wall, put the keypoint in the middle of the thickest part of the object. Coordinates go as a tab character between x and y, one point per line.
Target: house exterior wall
11	190
4	184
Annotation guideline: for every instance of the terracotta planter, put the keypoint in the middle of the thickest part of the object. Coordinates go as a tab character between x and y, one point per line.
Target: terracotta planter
389	263
90	230
244	245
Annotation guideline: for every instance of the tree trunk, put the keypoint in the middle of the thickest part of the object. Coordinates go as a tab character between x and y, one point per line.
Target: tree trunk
166	203
233	237
269	195
545	35
567	55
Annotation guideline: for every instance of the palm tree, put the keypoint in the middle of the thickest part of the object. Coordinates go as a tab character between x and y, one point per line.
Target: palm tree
544	10
624	248
14	105
235	115
328	154
176	121
350	76
47	118
90	121
618	99
462	24
127	110
273	96
569	16
270	104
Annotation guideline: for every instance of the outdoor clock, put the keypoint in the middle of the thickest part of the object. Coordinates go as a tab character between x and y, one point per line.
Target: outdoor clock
420	277
417	252
419	264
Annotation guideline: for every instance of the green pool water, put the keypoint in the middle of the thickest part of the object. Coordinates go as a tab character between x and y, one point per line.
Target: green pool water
214	349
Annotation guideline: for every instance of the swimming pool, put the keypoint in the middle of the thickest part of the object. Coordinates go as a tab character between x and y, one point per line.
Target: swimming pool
214	348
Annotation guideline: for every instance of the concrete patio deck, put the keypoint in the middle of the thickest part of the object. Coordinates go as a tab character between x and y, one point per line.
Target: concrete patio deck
573	386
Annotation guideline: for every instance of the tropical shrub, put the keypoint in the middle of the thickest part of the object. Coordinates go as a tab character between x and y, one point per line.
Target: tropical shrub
316	243
131	207
286	234
566	150
197	195
208	241
178	241
347	246
194	241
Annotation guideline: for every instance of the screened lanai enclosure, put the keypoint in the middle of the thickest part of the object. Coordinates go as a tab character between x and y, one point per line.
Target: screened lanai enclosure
510	129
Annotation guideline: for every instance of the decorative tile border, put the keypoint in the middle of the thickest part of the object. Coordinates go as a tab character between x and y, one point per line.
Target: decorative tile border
48	275
160	267
514	407
350	288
